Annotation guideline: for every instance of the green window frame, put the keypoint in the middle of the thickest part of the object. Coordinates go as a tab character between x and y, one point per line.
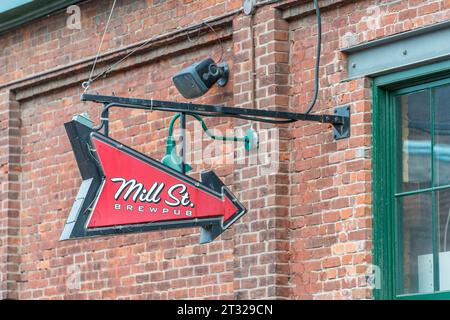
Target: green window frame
385	176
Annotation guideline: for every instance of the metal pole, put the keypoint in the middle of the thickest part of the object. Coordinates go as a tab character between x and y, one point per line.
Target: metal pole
171	106
106	116
340	119
183	141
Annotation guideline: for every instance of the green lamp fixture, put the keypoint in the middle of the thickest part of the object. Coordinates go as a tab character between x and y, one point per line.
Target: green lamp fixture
175	161
172	159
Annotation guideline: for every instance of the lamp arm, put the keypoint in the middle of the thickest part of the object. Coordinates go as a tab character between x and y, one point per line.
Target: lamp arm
205	129
172	123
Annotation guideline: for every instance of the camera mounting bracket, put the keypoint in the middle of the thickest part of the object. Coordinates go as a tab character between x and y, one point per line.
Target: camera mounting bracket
226	71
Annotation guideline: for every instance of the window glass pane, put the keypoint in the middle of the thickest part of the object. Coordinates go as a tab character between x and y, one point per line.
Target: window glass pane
415	163
443	207
441	98
415	244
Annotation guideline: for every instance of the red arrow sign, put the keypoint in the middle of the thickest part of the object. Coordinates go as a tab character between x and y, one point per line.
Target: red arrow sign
125	191
135	192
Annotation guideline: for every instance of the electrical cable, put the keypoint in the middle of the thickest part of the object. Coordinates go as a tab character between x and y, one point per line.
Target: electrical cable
218	38
220	41
318	52
196	38
205	114
249	118
86	84
261	119
115	64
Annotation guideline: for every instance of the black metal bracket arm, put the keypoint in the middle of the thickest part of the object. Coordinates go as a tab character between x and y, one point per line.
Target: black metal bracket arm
340	120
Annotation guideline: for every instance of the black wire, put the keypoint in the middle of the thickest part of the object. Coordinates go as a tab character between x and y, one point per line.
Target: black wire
187	29
263	119
258	119
218	37
319	49
242	117
231	115
204	114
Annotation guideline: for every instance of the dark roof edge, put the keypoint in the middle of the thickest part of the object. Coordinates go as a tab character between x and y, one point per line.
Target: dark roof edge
30	11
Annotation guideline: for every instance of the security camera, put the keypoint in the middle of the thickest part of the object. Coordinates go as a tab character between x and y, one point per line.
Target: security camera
195	80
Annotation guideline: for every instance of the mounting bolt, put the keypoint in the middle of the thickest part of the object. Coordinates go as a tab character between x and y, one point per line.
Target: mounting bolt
354	65
405	52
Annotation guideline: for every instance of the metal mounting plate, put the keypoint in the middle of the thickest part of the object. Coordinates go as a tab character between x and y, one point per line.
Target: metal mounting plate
342	131
399	51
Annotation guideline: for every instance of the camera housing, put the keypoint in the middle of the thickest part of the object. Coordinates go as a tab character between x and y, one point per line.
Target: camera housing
195	80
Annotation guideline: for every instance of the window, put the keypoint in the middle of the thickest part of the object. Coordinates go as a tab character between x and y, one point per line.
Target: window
412	185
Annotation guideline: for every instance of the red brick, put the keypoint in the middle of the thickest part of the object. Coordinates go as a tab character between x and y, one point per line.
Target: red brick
318	203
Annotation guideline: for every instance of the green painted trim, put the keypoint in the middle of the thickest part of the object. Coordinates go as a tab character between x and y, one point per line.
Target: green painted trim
445	295
396	206
414	192
30	11
422	87
377	253
381	228
385	238
391	219
411	76
434	219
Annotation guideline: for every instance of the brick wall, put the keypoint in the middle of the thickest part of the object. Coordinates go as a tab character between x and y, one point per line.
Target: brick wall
308	230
